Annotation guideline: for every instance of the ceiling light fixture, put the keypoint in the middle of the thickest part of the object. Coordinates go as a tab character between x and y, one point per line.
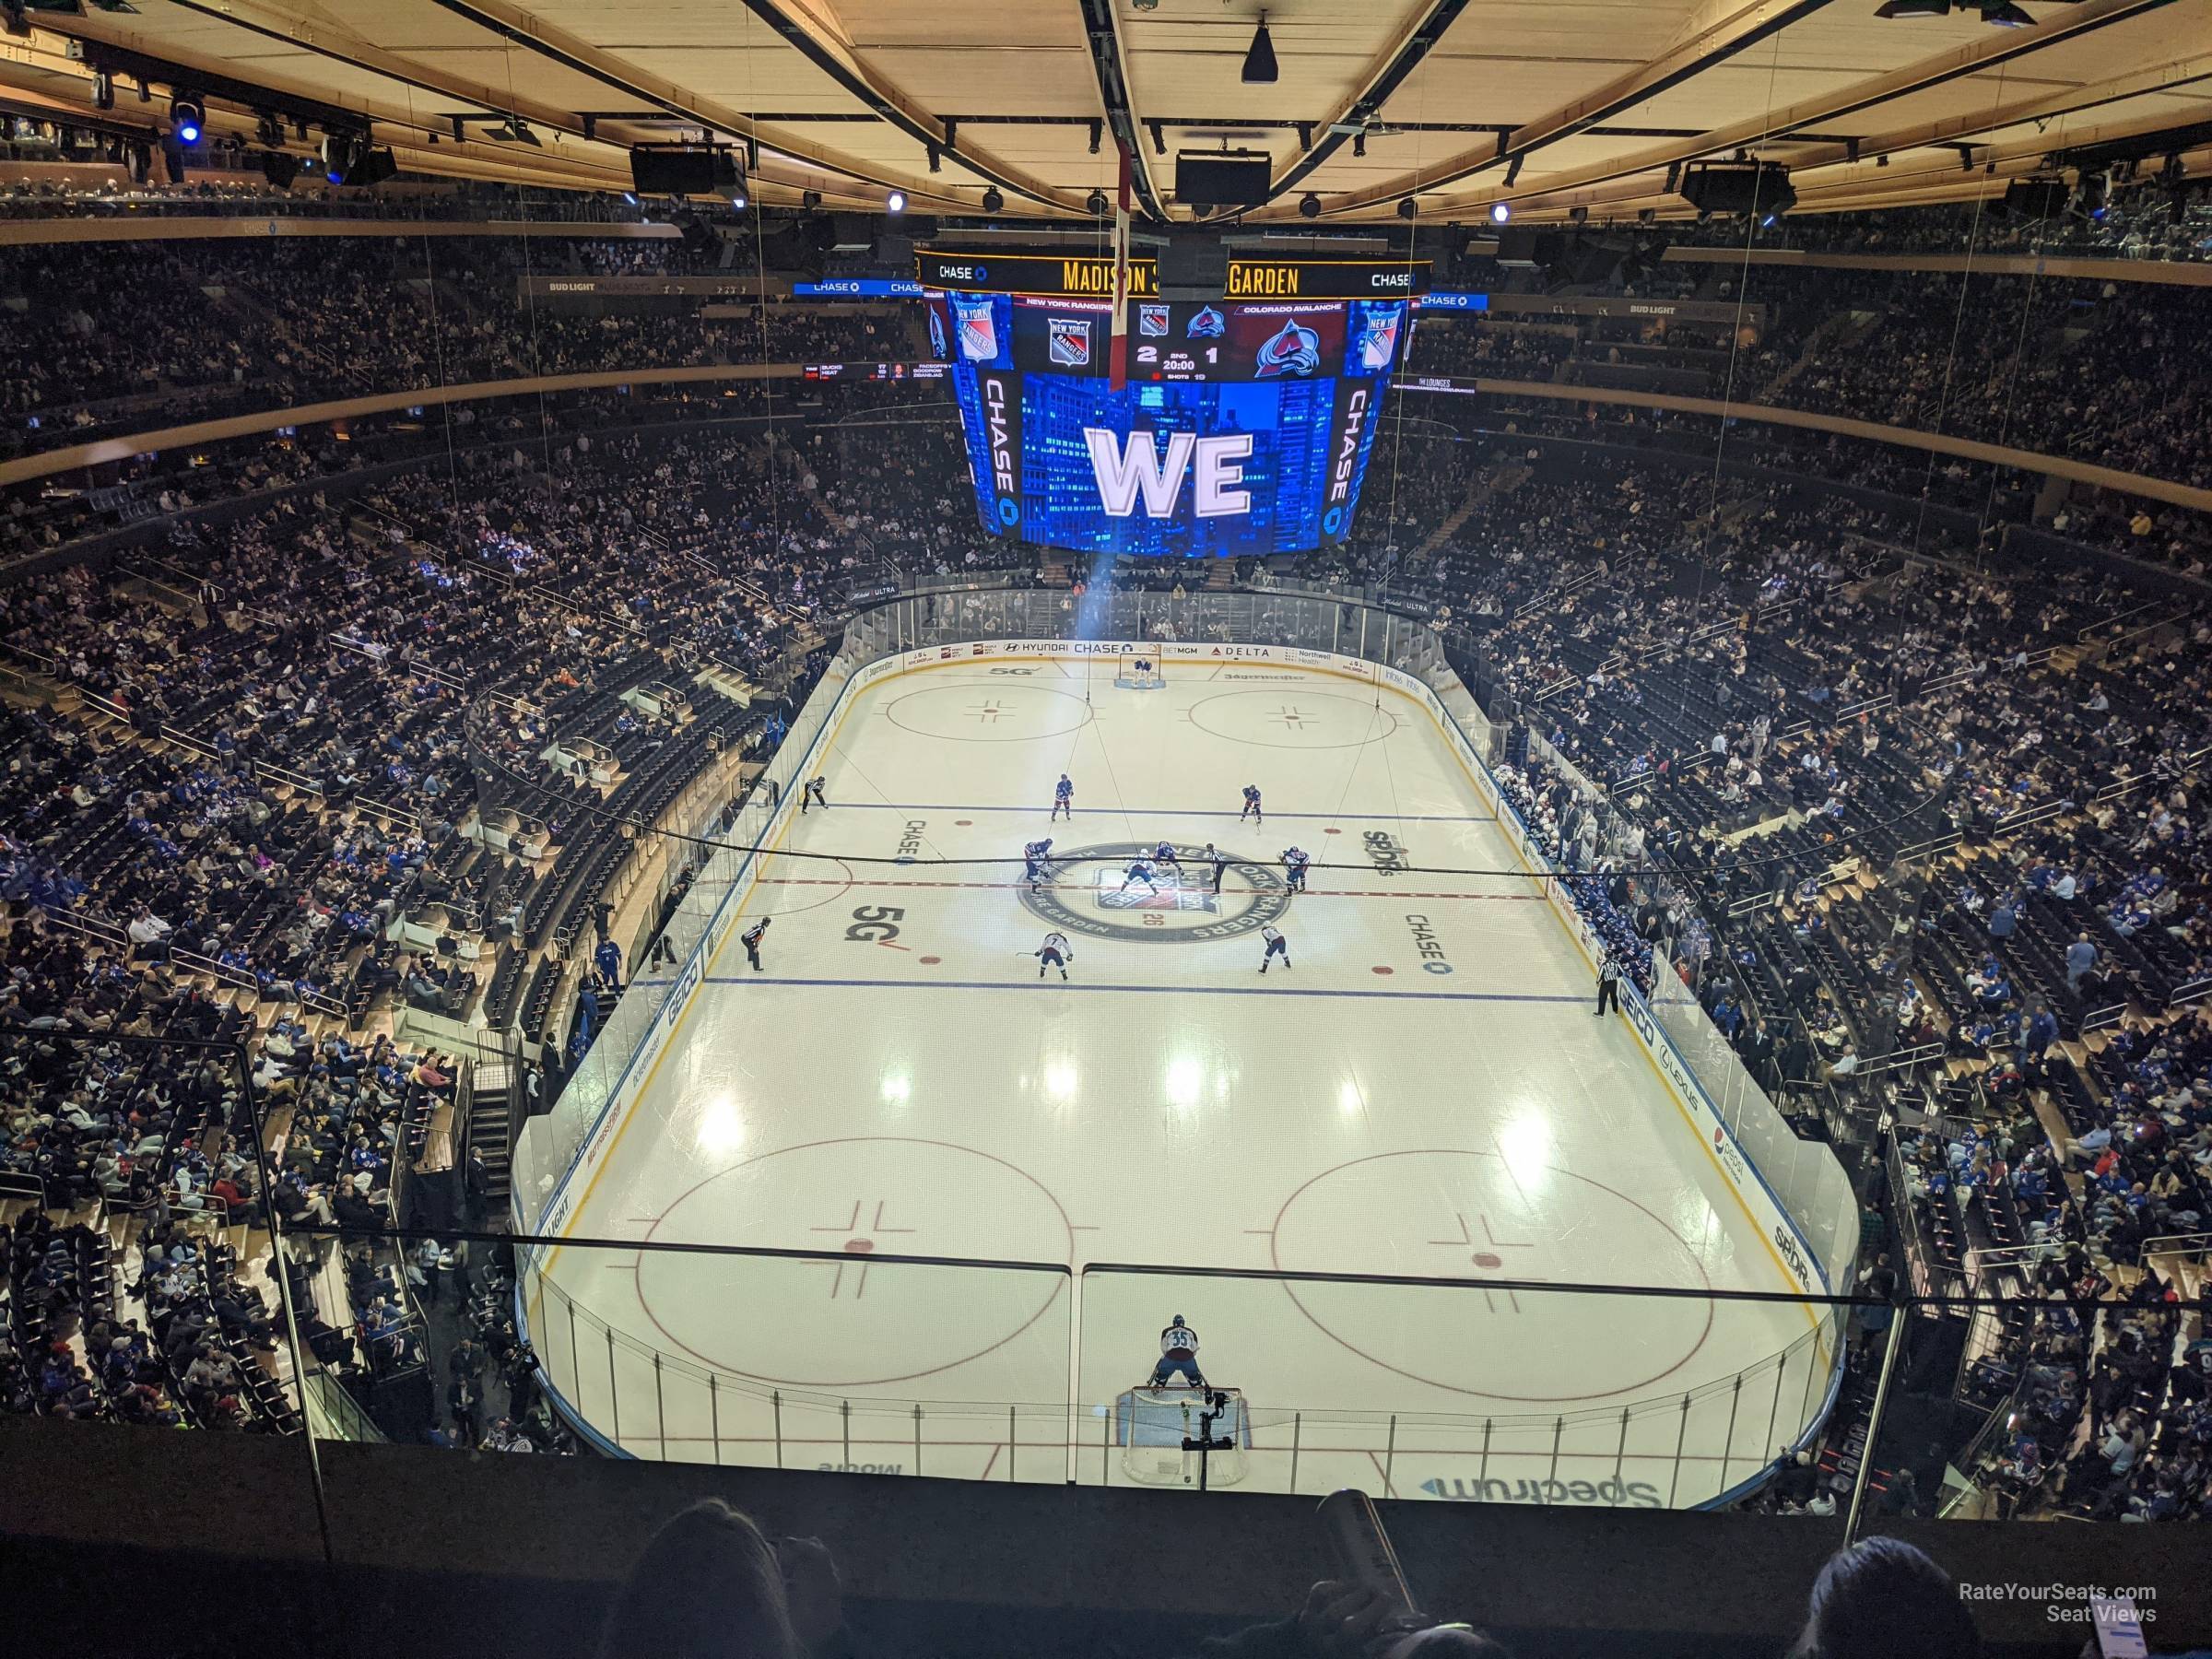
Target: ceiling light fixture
1500	212
1259	57
992	201
1309	206
1408	208
1095	204
895	202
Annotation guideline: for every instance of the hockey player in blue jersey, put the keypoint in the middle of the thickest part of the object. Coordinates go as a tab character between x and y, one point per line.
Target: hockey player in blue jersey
1251	804
1064	800
1164	854
1140	871
1032	861
1294	863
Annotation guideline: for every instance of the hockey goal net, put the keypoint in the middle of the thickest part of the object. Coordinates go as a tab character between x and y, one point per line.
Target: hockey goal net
1137	669
1151	1424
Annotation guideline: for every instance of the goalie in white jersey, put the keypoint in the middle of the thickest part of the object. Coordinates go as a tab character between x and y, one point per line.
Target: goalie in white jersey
1178	1355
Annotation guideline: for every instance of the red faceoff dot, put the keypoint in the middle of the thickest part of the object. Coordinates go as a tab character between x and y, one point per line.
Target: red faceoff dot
859	1246
931	961
1332	831
962	823
1383	971
1483	1258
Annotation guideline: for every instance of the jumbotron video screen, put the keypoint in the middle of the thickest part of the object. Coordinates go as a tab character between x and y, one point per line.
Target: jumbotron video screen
1244	427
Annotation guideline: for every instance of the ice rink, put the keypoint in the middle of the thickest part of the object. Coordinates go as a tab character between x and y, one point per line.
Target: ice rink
1424	1093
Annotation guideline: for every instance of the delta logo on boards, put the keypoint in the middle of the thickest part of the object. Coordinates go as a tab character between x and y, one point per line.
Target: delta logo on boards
1133	469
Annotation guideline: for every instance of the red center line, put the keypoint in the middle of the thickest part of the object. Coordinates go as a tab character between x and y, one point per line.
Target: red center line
1066	887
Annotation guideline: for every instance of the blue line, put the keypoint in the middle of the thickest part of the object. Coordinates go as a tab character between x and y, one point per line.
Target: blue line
1506	996
1364	818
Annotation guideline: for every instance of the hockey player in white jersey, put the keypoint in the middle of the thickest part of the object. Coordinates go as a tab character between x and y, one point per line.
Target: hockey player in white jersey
1276	946
1178	1355
1295	861
1140	871
1053	953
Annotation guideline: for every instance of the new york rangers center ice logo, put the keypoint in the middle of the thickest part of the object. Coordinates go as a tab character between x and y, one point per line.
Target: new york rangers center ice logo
1293	349
1092	892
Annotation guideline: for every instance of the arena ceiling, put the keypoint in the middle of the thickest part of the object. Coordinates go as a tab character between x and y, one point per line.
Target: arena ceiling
1550	105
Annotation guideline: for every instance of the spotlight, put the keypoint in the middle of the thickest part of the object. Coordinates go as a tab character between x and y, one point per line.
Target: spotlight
269	130
1309	206
1408	208
809	200
2004	15
1914	9
1767	220
280	169
936	158
1259	57
188	118
1360	144
895	202
1500	212
992	201
103	90
516	129
1095	204
1098	136
738	202
631	197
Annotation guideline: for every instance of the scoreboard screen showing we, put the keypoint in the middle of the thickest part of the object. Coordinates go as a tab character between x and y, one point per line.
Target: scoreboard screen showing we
1244	427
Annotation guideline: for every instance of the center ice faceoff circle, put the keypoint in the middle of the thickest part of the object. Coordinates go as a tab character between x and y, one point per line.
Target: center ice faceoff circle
1092	892
855	1321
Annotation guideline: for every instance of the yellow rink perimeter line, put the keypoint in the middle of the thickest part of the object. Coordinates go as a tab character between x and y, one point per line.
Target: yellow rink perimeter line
845	704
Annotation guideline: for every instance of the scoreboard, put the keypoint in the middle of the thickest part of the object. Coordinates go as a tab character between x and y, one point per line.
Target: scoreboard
1245	423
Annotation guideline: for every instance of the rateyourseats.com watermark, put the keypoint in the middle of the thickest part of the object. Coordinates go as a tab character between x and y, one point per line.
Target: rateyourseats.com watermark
2068	1603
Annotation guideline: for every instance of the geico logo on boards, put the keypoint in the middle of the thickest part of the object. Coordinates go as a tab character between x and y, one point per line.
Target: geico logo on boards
1348	449
1785	1241
1391	279
1125	469
1384	853
1001	443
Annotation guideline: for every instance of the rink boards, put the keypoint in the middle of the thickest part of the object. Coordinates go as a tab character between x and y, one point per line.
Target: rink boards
1390	954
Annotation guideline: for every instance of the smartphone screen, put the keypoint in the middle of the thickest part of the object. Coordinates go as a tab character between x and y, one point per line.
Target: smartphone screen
2119	1627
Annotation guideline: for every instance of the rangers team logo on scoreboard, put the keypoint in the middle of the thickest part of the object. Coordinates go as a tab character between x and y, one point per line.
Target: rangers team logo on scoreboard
978	329
1090	890
1379	341
1152	320
1070	341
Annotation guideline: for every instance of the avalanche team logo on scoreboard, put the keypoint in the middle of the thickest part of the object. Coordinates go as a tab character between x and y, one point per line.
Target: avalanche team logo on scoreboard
1209	324
1070	340
1292	349
979	331
1089	891
1152	320
1379	341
